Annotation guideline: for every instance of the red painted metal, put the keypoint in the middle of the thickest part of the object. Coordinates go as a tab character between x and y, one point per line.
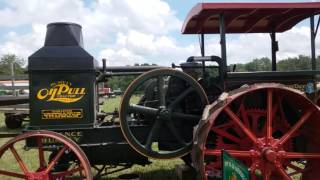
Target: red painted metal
247	17
44	171
269	115
42	161
256	125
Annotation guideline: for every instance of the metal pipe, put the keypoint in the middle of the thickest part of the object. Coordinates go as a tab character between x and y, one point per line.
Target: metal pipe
116	69
223	42
202	45
313	46
317	28
203	54
13	80
274	49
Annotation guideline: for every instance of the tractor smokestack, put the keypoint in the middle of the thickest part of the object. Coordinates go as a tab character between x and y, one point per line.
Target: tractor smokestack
66	70
63	34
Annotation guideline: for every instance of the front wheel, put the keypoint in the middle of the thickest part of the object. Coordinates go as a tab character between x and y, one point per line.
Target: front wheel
34	162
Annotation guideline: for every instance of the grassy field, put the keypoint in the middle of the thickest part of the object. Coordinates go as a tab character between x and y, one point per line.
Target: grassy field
157	170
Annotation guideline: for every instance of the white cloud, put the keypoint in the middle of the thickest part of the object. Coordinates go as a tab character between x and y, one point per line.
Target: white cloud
24	45
101	21
127	32
147	48
243	48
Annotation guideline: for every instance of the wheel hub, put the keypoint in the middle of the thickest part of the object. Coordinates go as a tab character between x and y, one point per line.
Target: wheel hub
270	155
165	115
267	154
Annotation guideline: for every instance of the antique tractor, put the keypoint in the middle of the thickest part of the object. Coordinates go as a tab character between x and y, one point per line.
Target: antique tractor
267	120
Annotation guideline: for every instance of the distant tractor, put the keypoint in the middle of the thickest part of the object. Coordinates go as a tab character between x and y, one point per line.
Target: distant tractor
266	120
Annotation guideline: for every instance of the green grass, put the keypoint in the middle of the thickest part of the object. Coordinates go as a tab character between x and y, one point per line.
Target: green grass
157	170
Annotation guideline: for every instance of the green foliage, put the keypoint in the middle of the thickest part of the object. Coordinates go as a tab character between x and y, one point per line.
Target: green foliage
121	82
297	63
290	64
6	62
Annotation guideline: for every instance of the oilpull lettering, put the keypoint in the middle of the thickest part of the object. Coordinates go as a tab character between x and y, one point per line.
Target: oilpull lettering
61	92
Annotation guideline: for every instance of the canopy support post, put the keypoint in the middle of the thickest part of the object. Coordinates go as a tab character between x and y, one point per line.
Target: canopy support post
274	49
313	45
203	54
223	42
202	45
317	28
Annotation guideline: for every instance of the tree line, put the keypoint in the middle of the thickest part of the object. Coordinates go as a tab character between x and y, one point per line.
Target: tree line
121	82
289	64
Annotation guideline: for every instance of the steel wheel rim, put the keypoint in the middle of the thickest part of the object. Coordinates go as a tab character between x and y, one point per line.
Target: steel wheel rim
45	168
270	154
131	139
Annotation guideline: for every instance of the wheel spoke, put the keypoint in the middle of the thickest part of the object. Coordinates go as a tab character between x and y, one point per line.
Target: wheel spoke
184	116
12	174
253	175
81	174
269	115
143	109
175	133
68	172
252	171
238	122
225	134
181	97
289	134
42	161
56	158
296	169
283	172
244	115
161	91
266	176
154	131
19	160
233	153
295	155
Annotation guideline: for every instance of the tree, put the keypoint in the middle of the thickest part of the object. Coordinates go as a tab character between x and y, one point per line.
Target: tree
6	62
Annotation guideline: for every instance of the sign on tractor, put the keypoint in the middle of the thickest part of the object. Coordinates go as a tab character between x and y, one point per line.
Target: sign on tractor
232	168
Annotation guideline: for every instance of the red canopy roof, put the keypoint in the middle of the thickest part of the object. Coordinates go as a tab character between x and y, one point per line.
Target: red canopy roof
247	17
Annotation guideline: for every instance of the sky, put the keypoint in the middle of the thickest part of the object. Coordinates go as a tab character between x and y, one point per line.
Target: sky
135	31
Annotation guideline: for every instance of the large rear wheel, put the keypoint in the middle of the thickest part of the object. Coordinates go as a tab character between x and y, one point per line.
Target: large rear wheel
272	129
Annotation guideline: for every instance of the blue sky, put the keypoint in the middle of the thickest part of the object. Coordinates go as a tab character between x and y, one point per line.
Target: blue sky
130	31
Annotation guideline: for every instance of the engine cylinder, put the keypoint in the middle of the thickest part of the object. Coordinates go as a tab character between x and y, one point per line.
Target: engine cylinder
62	80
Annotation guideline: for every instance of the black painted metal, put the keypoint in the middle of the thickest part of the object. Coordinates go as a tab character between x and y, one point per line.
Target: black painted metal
202	45
104	144
127	69
296	78
223	43
274	49
203	54
313	46
317	28
13	100
62	80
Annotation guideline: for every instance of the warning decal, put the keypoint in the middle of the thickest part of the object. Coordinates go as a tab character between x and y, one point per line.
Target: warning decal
62	114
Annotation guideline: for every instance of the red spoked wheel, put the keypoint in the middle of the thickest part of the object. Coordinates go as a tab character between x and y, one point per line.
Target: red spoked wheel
42	160
272	129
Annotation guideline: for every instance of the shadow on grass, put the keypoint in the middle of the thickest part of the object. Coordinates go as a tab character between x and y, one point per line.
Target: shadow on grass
159	174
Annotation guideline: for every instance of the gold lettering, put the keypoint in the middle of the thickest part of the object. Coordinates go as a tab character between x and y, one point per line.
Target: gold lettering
61	92
40	95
